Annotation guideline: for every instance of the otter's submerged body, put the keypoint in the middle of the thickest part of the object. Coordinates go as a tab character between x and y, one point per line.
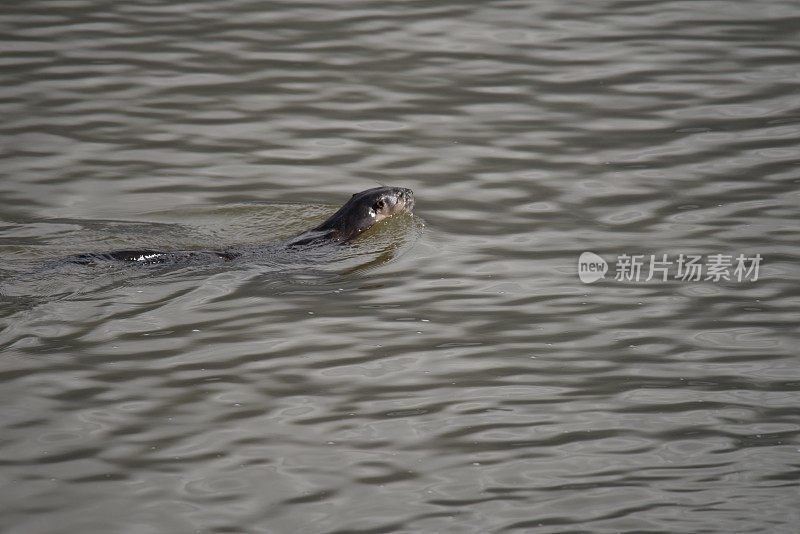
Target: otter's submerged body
357	215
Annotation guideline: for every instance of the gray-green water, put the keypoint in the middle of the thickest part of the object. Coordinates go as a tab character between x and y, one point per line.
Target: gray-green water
451	373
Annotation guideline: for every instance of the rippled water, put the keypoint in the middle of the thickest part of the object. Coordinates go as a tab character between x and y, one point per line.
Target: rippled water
451	373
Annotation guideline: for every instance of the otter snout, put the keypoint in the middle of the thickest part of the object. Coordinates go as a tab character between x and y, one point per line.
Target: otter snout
406	196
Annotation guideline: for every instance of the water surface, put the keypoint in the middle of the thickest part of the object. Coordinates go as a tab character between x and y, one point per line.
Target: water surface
451	373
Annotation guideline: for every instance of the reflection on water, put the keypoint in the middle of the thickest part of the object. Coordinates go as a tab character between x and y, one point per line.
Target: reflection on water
456	378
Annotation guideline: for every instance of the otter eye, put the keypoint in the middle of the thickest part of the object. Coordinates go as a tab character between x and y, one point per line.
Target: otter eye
378	205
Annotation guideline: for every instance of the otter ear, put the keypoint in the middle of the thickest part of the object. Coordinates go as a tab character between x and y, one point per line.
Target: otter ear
379	205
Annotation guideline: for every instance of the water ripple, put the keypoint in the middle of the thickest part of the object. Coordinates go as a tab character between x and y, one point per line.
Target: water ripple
450	373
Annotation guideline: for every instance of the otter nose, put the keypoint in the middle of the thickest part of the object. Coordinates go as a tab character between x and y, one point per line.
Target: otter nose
407	195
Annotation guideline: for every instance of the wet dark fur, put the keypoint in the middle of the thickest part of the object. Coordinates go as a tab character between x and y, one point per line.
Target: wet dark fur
358	214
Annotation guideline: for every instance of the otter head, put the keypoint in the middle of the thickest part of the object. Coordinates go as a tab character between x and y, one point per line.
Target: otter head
364	209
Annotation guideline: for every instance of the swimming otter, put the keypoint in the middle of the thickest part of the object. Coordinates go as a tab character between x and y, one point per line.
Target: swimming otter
358	214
